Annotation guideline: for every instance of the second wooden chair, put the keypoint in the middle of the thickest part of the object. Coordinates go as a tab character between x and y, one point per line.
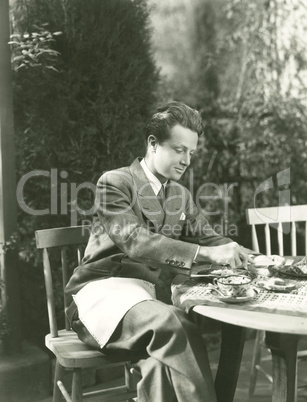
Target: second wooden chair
283	221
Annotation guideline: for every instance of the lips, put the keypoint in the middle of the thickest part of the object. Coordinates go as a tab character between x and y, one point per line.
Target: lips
179	170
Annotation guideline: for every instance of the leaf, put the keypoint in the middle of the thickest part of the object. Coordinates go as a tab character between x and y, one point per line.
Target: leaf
52	68
17	58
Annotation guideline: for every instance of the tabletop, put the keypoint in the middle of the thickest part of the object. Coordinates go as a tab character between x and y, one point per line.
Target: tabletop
282	315
271	311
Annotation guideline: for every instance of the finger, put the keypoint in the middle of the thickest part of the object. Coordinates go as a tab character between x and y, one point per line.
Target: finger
244	262
238	261
245	255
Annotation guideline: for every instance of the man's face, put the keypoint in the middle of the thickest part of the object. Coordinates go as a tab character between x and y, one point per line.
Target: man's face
173	156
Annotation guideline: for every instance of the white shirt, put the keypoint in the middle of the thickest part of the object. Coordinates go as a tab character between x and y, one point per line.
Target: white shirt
153	180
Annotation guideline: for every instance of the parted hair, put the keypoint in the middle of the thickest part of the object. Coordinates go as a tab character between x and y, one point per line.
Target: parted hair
170	114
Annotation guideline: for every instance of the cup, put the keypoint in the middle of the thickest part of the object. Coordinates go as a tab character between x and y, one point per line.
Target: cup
234	285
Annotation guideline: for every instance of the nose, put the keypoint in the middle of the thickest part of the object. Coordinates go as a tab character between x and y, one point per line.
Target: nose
186	159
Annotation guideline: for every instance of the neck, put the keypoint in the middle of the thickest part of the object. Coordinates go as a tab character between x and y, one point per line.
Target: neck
150	164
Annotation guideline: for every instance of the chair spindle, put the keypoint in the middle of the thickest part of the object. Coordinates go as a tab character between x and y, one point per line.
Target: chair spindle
255	244
293	239
49	293
267	239
280	239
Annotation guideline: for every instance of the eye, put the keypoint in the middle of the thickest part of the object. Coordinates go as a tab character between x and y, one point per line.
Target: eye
179	150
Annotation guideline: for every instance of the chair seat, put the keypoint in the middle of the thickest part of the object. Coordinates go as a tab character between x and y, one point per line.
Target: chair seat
72	353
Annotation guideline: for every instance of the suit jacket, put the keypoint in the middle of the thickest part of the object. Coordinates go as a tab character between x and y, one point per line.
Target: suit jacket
132	236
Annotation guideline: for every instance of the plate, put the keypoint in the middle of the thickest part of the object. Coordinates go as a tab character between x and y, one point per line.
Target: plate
291	268
215	271
292	274
280	289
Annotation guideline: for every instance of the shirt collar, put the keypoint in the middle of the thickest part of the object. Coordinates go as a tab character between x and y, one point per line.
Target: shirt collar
153	180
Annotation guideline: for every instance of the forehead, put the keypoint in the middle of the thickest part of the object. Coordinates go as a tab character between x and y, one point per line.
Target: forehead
182	136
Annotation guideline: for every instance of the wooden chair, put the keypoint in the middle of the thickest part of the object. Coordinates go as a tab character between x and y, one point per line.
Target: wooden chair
69	351
283	219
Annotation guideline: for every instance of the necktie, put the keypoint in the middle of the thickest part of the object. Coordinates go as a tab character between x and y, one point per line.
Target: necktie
161	196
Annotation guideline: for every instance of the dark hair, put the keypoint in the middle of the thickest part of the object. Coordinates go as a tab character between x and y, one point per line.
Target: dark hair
168	116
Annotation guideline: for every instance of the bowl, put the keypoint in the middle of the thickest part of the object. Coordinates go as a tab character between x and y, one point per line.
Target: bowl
234	285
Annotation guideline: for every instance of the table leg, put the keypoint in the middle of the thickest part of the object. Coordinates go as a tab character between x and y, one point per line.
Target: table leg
233	338
284	369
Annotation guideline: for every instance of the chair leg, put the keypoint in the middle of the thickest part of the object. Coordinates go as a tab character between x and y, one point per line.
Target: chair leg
59	373
259	340
131	380
77	385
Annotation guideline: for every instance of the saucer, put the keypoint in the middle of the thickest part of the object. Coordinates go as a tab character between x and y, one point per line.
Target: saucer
277	285
233	299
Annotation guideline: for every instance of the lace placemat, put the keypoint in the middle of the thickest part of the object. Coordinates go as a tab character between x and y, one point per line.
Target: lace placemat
188	293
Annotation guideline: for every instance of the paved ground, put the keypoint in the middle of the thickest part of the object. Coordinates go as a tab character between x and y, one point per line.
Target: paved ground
263	387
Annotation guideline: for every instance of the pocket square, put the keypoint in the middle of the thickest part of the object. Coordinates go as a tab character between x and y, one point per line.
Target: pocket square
182	216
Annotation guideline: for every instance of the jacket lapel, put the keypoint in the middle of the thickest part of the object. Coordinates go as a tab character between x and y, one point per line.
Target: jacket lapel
149	203
146	198
174	204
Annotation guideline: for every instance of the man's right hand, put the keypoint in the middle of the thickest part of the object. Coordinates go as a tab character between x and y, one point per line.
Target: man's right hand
227	254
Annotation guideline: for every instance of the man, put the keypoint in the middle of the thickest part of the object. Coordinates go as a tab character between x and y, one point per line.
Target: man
147	224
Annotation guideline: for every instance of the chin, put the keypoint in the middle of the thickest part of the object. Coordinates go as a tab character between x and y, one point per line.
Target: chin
176	177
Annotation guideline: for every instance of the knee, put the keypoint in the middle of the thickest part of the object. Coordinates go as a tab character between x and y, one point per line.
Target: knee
175	324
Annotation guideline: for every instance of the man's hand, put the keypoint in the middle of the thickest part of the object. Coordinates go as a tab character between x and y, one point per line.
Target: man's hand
227	254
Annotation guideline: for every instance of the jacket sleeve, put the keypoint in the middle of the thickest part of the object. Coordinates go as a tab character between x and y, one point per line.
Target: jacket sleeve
115	200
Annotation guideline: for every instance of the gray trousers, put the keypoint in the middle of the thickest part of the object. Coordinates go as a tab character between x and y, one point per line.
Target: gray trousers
175	366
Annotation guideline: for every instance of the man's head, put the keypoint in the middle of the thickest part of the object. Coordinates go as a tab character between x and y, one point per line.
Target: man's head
168	116
172	136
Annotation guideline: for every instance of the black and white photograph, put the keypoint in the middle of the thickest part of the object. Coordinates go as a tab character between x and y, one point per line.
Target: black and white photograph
153	200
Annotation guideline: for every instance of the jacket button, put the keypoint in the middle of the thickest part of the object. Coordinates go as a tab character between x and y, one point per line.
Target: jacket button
167	261
182	263
172	262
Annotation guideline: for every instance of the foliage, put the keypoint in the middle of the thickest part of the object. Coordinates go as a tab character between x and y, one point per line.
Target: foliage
34	50
81	100
250	65
87	117
265	111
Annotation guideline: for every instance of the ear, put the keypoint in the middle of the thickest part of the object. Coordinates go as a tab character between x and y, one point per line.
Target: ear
152	143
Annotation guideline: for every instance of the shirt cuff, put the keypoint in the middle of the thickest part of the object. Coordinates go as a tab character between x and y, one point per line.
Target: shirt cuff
196	254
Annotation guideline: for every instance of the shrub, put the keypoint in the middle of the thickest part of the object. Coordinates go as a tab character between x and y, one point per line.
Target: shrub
77	112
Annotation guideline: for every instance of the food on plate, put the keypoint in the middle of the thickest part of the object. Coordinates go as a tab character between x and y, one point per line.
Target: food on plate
265	261
298	267
279	282
277	285
278	260
213	271
222	272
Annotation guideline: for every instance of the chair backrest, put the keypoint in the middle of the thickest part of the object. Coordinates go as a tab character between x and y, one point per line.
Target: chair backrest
60	238
285	220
